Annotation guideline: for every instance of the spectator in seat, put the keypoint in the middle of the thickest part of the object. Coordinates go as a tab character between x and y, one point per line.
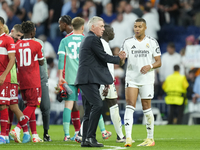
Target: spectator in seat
108	15
12	18
39	16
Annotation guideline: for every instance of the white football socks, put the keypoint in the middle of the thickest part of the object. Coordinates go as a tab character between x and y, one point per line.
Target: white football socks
128	120
148	114
116	119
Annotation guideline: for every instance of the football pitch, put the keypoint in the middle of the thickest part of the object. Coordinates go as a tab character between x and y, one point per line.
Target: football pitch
168	137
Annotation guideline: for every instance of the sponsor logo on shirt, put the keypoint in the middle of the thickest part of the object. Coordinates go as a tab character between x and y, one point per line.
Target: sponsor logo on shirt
133	47
140	53
1	41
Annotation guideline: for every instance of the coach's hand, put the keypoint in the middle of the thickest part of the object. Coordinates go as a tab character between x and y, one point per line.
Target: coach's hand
122	55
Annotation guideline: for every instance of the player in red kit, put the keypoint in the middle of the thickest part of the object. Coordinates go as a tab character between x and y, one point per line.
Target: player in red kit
7	60
16	34
29	56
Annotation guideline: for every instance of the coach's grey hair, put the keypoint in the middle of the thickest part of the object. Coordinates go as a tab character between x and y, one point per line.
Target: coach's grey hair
93	21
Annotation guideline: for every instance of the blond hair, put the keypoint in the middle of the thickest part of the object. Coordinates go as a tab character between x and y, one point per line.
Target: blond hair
77	22
5	28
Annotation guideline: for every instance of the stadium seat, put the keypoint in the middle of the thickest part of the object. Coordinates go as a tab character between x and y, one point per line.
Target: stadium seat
193	30
59	119
53	116
194	111
193	116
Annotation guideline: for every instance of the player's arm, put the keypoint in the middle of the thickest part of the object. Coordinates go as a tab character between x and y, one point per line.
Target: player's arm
155	65
124	53
11	57
40	55
156	54
41	62
61	58
60	68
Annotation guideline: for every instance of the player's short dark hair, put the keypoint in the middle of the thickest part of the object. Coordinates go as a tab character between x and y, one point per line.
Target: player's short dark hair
18	28
140	20
28	27
67	19
107	28
171	44
77	22
176	68
2	20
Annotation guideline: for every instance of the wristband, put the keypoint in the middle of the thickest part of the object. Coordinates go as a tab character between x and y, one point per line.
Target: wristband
151	66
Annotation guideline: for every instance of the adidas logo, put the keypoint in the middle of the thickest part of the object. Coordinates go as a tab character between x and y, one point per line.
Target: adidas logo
133	47
127	124
149	95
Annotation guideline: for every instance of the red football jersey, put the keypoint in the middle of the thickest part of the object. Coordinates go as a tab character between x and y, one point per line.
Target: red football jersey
28	52
6	46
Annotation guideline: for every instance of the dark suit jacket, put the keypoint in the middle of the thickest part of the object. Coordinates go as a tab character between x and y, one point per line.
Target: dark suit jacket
93	62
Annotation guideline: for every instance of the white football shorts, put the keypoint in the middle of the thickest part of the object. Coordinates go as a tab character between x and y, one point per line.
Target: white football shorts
112	93
145	91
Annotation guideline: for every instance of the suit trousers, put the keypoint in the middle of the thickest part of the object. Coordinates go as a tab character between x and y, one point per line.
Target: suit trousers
45	105
92	104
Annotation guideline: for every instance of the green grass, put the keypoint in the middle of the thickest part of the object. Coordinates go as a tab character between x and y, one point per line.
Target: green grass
169	137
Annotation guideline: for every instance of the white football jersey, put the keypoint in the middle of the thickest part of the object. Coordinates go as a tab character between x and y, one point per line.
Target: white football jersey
108	51
140	54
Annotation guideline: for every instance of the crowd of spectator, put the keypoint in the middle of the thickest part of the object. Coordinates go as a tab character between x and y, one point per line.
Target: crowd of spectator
120	14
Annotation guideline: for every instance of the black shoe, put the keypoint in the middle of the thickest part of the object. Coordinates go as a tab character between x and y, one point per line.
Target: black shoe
84	144
121	140
47	138
93	142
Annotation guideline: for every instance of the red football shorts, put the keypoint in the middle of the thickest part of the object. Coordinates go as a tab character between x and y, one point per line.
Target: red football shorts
5	94
13	94
32	96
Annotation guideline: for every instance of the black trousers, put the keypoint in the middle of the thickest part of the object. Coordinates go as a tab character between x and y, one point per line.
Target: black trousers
45	105
92	104
176	110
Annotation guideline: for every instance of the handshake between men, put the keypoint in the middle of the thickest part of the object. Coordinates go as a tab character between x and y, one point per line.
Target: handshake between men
122	56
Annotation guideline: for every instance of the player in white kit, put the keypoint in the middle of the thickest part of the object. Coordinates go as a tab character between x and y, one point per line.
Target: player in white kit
111	94
143	56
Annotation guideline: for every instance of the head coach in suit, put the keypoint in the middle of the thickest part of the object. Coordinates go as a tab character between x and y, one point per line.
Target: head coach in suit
92	72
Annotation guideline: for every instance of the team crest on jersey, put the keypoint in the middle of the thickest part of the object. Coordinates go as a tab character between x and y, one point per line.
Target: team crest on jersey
1	41
147	45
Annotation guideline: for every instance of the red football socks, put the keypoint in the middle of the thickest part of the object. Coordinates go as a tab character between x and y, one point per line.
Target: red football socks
4	121
32	123
76	120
